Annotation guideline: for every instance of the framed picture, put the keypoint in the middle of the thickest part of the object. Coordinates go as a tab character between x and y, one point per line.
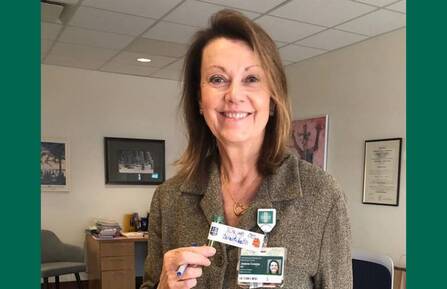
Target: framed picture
54	165
309	139
134	161
381	172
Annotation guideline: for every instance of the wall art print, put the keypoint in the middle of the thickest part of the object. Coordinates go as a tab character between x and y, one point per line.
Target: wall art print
54	165
309	139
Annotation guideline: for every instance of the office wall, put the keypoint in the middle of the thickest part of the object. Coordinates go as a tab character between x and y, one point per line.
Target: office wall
362	89
83	107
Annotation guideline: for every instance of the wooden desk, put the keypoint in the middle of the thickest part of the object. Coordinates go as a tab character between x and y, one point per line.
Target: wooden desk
400	278
111	263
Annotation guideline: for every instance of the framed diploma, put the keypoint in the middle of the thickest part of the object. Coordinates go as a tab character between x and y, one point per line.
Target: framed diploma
381	173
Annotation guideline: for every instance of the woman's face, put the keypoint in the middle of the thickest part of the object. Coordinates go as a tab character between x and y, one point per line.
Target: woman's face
274	267
235	97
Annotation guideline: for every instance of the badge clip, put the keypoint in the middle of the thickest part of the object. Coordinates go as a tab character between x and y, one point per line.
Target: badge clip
266	219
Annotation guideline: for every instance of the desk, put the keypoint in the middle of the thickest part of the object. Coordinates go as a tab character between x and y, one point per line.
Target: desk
112	264
400	277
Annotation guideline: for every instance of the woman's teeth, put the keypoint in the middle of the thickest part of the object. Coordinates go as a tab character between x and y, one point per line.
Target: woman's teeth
235	115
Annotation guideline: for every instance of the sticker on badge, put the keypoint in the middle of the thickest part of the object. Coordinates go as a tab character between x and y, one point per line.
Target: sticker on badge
266	219
236	237
264	268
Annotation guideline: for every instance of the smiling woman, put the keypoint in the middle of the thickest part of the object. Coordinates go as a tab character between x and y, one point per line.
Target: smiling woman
233	30
235	98
274	267
237	115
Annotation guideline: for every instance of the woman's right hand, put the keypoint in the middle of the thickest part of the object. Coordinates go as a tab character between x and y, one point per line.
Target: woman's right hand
194	257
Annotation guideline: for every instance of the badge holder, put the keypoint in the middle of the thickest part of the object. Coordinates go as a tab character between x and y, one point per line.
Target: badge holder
263	268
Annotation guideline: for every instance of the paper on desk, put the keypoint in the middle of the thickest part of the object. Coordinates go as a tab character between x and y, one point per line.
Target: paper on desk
133	234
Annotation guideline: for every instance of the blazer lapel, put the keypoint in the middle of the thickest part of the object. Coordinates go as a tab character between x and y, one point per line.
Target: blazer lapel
211	202
284	185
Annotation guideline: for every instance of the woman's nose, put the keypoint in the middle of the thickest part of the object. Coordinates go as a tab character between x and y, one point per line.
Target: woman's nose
235	93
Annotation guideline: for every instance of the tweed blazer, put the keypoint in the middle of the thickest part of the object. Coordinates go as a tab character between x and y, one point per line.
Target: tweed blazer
312	223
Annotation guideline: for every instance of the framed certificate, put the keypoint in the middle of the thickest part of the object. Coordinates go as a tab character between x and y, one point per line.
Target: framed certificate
381	172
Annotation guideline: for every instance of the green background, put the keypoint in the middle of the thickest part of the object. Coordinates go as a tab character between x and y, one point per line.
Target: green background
426	160
20	145
426	142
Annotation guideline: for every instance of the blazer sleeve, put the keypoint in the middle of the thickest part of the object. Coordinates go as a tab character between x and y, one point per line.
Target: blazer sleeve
154	259
335	263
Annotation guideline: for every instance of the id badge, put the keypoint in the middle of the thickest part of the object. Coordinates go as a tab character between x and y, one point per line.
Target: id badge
264	268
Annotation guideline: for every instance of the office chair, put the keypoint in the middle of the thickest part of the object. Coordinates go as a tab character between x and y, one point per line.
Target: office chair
372	271
58	259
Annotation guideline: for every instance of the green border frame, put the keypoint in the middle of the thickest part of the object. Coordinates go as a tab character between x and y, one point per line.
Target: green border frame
426	119
20	121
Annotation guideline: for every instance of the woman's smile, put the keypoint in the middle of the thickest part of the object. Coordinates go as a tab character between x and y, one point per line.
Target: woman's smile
235	115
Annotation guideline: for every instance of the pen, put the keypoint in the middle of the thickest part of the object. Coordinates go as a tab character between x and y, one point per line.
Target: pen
182	268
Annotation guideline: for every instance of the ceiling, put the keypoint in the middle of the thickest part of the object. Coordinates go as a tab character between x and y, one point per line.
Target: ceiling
109	35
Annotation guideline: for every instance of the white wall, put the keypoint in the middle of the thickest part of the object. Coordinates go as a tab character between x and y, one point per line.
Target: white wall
362	89
83	107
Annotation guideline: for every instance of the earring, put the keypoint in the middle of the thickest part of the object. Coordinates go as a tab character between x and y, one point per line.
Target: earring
201	111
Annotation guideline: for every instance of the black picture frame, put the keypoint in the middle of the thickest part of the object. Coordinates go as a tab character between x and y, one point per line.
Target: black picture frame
381	171
131	161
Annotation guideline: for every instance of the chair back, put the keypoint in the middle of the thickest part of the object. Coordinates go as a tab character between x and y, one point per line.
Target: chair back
51	247
372	271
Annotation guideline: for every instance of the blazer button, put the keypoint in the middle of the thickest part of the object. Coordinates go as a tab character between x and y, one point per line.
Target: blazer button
218	260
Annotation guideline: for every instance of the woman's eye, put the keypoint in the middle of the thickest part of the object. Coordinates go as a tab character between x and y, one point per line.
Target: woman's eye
217	80
252	79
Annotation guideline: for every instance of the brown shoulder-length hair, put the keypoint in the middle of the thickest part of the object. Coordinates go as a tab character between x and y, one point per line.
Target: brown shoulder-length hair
201	142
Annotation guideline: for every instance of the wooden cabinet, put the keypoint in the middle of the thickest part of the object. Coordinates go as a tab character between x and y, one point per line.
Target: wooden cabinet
118	279
111	263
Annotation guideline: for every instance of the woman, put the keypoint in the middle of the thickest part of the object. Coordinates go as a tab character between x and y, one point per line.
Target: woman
238	121
274	267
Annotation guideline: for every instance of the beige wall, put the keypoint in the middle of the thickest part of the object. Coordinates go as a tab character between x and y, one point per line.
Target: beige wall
83	107
362	89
